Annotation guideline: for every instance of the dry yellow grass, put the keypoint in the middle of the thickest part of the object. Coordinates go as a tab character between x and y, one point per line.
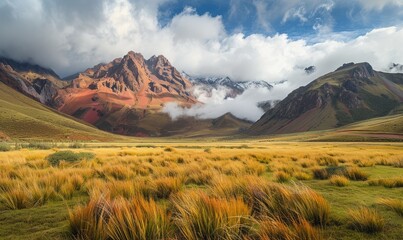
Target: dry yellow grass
366	220
184	191
339	181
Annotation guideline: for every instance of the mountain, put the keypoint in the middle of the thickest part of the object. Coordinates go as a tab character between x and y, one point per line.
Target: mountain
33	80
206	85
124	96
115	96
119	95
225	125
228	120
23	118
352	93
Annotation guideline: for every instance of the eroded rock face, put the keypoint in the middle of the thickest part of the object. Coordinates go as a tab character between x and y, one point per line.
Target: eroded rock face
117	95
350	99
134	73
35	81
114	96
364	70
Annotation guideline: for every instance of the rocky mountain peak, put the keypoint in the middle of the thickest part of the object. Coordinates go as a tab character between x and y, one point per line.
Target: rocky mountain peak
134	56
363	70
358	70
159	60
162	68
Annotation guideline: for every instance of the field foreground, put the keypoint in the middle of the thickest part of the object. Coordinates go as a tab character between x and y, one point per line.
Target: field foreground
218	190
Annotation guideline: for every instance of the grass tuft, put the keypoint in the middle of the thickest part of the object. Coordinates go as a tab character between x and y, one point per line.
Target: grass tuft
282	176
339	181
366	220
387	182
356	174
305	231
394	204
138	219
199	216
16	199
302	176
89	222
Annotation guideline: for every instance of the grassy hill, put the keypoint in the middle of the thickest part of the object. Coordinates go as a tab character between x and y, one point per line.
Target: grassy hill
388	128
24	118
352	93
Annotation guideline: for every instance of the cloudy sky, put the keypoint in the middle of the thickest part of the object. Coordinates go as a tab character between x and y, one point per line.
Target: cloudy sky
269	40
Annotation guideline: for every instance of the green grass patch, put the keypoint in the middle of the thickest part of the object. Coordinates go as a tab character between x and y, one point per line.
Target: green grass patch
68	156
4	147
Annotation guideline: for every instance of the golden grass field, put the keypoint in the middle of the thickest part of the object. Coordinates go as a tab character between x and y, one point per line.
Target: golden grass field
203	190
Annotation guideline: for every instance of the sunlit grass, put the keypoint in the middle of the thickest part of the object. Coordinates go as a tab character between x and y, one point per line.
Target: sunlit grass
393	204
339	181
366	220
387	182
229	192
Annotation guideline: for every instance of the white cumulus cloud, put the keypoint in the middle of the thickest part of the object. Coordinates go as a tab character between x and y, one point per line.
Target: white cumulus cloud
70	36
243	106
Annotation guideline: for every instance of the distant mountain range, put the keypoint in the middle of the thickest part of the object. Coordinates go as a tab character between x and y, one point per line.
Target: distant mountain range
232	88
352	93
127	95
119	95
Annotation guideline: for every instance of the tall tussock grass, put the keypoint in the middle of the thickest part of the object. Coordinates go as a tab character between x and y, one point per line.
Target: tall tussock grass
164	187
274	200
289	203
275	229
89	222
196	214
16	199
339	181
387	182
304	231
394	204
356	174
138	219
199	216
366	220
103	218
20	196
185	193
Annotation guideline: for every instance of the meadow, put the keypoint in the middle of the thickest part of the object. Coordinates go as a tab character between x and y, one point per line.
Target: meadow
201	190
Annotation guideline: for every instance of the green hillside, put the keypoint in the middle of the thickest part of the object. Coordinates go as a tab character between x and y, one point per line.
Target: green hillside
352	93
23	118
388	128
